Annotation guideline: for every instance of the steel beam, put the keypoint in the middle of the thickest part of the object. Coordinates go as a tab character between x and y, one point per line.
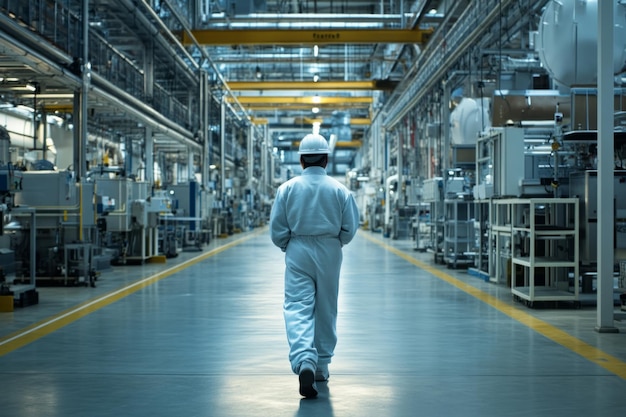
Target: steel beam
304	36
310	100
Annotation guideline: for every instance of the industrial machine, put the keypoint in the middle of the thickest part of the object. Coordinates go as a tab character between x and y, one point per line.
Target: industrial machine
65	232
188	225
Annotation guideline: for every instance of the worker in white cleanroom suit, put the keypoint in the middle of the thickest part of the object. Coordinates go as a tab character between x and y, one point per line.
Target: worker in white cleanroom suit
312	217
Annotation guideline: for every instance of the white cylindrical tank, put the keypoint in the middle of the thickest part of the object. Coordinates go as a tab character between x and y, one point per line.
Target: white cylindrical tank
468	119
567	41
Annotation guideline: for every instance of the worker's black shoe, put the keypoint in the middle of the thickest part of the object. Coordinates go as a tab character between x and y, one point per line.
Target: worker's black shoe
308	389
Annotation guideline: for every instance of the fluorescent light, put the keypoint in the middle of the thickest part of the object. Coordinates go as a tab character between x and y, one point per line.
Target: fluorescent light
31	87
316	50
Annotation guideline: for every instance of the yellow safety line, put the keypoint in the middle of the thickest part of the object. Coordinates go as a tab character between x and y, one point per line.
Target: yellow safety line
587	351
38	330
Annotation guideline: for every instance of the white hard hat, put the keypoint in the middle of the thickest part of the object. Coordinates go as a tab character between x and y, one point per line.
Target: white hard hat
313	144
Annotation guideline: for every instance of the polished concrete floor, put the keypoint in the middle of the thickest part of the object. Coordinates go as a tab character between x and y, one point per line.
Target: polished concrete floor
203	336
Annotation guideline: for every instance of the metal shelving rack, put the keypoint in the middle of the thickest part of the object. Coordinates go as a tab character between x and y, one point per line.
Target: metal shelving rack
500	242
433	195
545	258
458	246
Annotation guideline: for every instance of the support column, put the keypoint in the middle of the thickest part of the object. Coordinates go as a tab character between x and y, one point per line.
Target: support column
190	168
266	172
79	116
444	150
250	154
205	136
148	88
606	215
86	79
149	154
223	150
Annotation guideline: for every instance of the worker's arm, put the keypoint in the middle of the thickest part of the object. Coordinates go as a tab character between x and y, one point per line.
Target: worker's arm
350	220
279	227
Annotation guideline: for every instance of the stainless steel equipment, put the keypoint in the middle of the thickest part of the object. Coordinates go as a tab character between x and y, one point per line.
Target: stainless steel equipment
583	185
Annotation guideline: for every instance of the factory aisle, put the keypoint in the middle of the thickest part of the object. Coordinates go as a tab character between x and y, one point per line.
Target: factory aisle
206	338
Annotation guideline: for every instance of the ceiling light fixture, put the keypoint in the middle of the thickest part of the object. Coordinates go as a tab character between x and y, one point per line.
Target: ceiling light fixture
316	50
315	110
316	77
32	86
259	74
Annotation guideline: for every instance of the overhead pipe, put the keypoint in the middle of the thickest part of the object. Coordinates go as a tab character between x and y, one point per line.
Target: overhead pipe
418	16
21	42
401	107
205	56
132	6
141	110
47	55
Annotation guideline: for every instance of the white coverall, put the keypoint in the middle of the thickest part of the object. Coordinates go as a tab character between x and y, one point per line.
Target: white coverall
312	217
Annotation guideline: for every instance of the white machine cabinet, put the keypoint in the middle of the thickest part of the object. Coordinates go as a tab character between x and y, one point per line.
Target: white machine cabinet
545	253
499	163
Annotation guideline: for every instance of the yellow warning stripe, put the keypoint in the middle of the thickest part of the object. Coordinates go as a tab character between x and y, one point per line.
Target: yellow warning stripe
587	351
38	330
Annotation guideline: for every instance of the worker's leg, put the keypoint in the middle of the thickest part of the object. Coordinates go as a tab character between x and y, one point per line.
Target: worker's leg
326	302
299	306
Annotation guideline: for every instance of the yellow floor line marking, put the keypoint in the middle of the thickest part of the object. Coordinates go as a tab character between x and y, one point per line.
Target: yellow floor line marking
587	351
38	330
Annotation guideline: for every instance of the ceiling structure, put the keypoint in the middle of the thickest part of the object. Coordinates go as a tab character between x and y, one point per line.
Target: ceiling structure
287	64
273	60
291	64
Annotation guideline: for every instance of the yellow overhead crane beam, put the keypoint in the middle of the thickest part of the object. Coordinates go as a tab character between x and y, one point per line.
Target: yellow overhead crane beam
304	36
356	121
359	121
272	107
61	108
310	85
287	100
